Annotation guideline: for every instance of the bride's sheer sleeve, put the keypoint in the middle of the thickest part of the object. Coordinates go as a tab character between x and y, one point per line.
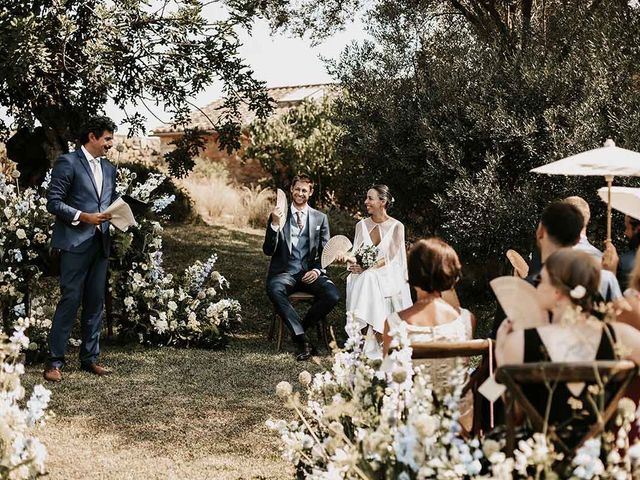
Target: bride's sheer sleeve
358	238
397	248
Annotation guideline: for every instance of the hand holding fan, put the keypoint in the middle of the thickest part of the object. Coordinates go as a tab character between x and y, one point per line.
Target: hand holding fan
520	266
281	203
335	247
518	299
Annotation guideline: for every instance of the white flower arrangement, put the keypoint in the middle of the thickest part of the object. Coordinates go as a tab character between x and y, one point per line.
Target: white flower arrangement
22	455
372	420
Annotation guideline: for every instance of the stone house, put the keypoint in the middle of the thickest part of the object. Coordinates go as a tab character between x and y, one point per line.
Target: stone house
251	171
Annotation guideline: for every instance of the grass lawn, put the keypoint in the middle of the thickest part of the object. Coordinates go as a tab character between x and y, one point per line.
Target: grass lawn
178	413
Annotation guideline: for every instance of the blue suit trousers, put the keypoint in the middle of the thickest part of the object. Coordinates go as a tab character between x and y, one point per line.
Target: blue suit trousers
83	276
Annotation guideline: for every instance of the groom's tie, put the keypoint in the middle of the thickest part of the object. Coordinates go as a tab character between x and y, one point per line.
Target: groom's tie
299	220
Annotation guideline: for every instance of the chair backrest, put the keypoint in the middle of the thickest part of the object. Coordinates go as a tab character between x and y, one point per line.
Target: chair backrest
618	373
444	349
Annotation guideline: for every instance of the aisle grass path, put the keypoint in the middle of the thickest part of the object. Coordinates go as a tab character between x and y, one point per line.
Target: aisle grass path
171	413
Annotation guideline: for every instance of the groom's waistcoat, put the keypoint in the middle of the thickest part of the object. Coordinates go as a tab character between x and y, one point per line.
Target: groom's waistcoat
299	258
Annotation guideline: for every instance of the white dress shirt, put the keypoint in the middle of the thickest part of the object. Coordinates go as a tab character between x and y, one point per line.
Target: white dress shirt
96	170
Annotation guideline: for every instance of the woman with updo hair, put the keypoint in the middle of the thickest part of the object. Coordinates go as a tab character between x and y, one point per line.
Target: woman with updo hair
375	292
569	282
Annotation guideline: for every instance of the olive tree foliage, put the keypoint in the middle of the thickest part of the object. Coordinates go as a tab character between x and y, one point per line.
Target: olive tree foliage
303	140
62	60
452	102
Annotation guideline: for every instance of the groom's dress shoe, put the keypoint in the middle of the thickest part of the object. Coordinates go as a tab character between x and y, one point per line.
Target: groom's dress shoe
52	374
306	352
96	369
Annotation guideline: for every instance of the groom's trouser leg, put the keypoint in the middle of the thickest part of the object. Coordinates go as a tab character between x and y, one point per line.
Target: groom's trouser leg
74	267
279	287
326	296
93	304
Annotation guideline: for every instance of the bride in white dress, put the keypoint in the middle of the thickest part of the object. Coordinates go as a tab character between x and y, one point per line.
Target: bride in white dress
373	294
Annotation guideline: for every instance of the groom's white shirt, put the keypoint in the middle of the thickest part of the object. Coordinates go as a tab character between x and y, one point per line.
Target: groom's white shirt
96	170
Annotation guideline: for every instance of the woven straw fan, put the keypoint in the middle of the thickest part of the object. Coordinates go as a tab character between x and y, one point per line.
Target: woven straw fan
281	201
520	267
335	247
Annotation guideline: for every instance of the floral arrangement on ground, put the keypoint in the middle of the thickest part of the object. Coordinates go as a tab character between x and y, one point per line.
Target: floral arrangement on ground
156	308
377	420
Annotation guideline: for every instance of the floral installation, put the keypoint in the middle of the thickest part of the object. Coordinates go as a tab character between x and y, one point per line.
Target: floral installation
157	308
376	420
22	455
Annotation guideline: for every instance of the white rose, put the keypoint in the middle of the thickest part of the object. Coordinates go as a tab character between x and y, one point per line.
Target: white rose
21	234
173	306
304	378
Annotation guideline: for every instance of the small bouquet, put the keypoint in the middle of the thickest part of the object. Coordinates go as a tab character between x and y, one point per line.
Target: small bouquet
367	256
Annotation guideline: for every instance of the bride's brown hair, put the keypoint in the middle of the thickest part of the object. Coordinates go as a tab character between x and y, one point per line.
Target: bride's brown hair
384	194
433	265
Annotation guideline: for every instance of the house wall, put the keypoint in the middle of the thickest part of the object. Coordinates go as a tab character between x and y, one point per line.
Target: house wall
247	173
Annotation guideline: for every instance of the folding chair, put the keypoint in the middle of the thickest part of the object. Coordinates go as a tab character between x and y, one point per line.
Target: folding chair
618	373
277	323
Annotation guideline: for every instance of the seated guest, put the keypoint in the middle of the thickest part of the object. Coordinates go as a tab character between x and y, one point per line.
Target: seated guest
559	227
433	268
569	279
623	265
295	252
583	243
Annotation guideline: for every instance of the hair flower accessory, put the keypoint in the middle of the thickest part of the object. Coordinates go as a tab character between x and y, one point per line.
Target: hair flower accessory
578	292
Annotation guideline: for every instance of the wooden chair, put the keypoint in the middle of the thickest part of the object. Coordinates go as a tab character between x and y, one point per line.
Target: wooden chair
277	323
606	373
469	348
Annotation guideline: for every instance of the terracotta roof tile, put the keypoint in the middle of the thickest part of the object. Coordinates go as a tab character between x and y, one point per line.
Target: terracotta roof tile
285	98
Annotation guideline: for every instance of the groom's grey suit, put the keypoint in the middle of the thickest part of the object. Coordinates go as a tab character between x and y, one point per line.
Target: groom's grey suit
291	260
85	251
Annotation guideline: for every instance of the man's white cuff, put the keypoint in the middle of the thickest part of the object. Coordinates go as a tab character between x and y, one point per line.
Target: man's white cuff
76	220
275	228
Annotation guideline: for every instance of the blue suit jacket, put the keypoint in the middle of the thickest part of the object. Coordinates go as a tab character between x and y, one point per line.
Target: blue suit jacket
73	188
277	245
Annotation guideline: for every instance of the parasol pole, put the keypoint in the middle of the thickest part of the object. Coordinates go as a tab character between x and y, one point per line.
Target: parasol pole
609	179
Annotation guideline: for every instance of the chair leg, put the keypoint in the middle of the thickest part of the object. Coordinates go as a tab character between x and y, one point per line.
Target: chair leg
280	333
511	425
272	325
323	333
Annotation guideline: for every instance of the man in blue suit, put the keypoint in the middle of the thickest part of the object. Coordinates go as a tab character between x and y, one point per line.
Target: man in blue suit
83	184
295	252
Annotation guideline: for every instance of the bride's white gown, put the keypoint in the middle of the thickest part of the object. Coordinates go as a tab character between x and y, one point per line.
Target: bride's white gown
377	292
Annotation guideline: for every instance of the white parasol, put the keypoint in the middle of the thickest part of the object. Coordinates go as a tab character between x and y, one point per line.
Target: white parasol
623	199
607	161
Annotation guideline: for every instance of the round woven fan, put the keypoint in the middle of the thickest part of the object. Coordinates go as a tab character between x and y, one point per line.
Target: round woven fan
520	266
336	246
281	201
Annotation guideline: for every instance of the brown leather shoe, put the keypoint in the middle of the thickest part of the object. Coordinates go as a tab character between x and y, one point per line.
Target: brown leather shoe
96	369
52	374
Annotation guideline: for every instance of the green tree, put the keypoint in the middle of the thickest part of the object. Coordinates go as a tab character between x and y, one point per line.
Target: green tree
452	102
303	140
61	61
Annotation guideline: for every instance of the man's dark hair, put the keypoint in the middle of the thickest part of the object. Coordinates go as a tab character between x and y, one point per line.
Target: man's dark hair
302	177
563	223
96	125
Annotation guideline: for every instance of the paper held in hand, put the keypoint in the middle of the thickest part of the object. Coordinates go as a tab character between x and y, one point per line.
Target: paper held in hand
281	202
518	299
121	215
335	247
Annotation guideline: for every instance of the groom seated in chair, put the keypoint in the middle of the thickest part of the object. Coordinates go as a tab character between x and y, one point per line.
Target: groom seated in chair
295	251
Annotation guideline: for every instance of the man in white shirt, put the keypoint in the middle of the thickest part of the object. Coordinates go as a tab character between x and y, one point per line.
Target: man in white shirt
295	251
83	185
